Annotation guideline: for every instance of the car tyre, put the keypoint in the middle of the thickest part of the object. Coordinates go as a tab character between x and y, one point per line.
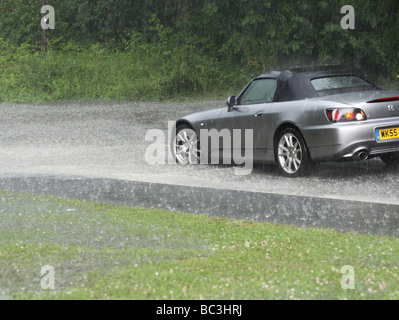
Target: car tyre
186	146
291	154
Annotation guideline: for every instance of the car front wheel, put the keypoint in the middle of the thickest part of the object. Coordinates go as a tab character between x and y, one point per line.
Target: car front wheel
186	146
291	154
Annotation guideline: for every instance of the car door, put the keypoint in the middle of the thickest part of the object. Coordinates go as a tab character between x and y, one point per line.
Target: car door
251	112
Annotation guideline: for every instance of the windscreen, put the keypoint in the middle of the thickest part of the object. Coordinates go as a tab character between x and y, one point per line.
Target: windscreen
339	84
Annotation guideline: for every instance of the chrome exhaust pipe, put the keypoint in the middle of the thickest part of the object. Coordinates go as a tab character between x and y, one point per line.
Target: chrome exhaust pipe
362	155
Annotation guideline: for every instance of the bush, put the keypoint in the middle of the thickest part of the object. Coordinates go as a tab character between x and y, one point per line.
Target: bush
97	73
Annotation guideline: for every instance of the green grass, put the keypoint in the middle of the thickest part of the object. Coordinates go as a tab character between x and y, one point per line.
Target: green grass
101	251
99	74
140	72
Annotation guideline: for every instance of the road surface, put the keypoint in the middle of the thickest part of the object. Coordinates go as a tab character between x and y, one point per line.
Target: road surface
106	142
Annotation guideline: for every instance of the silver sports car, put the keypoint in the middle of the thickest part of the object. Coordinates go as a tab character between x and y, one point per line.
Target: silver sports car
295	118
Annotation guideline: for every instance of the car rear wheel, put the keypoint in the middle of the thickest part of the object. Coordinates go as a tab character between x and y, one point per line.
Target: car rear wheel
291	154
390	159
186	146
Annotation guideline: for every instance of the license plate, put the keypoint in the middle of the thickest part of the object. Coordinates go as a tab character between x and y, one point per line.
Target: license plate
387	134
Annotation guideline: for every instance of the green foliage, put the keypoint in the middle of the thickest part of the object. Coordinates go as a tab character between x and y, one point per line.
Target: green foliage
97	73
173	48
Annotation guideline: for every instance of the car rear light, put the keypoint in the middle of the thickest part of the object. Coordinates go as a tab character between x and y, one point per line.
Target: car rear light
345	115
389	99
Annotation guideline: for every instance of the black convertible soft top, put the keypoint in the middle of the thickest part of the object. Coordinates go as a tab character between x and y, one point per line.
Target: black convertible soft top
295	84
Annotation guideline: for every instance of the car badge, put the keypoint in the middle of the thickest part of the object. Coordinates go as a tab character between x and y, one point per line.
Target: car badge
391	107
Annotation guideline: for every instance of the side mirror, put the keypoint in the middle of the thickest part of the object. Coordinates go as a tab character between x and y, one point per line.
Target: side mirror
231	102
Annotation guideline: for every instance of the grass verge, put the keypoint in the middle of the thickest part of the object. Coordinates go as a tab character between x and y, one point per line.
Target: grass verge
98	74
100	251
140	72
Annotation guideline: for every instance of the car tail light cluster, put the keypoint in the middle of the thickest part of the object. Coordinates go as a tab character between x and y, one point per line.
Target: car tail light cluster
345	115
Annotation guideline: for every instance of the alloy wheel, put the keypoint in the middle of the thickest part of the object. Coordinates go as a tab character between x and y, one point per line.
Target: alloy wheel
290	153
186	147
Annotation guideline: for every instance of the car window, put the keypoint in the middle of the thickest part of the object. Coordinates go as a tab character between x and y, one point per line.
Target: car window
339	82
260	91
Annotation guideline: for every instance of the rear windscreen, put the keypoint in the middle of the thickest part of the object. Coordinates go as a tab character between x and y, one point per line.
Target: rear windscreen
341	83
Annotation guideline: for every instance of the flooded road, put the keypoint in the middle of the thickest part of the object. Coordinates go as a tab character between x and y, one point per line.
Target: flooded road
83	147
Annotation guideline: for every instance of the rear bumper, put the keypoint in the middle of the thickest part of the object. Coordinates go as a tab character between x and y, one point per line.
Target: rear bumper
343	140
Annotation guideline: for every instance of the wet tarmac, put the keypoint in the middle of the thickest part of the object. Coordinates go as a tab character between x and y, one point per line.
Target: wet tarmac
96	151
